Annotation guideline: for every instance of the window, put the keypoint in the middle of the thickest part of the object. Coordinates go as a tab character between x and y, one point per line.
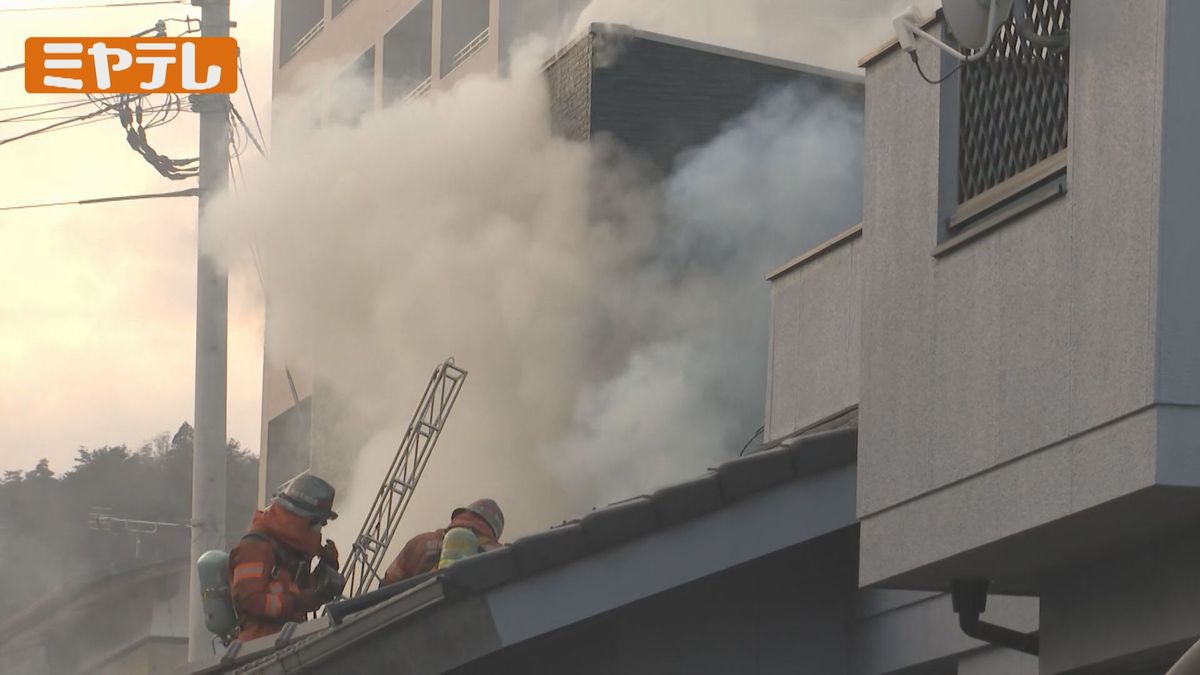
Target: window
339	5
464	31
1012	118
518	21
299	22
354	90
408	53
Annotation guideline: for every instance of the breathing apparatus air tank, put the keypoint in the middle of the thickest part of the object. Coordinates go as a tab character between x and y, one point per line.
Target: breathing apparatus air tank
459	543
215	595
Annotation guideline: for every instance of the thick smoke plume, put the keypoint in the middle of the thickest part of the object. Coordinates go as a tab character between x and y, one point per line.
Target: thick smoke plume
826	33
614	327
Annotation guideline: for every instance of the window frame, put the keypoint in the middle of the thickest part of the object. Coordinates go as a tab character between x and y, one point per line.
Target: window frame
959	223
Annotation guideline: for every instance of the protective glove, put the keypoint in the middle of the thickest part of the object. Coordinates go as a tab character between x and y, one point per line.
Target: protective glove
329	554
328	583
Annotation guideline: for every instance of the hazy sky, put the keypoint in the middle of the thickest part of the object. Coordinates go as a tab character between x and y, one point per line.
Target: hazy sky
97	303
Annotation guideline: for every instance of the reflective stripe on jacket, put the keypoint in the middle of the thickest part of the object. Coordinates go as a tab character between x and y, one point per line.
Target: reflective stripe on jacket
264	602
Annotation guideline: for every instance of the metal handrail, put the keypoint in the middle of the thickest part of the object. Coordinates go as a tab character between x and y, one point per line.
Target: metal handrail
419	90
470	48
308	37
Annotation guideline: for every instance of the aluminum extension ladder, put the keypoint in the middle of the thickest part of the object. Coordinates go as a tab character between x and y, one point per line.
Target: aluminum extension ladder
361	568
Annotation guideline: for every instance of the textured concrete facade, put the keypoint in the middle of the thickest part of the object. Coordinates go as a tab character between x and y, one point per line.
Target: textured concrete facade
1026	394
814	352
1011	382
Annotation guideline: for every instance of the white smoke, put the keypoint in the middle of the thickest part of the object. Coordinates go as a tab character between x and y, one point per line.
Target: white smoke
827	33
614	328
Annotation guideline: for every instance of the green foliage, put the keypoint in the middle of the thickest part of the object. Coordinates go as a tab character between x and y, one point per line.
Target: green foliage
48	531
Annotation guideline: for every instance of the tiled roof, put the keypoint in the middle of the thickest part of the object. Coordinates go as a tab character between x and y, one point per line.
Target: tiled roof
601	529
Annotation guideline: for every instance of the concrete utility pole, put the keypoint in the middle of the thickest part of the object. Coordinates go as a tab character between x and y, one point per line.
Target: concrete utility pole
212	337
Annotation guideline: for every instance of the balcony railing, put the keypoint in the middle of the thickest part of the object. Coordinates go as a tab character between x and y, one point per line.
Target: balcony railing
418	91
470	48
308	37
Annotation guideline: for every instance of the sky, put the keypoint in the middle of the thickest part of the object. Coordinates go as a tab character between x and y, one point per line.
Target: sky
97	327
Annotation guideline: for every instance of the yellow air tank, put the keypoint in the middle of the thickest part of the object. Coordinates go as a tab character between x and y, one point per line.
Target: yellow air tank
459	543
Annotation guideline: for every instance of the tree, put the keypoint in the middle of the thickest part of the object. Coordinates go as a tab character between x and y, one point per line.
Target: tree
45	517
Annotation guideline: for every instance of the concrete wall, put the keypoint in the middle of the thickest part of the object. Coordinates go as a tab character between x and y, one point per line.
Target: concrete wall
1136	610
1001	380
1177	364
814	350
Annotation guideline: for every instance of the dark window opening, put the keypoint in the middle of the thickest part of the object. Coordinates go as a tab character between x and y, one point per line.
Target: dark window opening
354	90
521	19
288	443
299	22
1013	102
408	53
464	31
339	5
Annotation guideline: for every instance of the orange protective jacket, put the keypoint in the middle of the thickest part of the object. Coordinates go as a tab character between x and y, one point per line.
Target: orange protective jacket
422	552
269	572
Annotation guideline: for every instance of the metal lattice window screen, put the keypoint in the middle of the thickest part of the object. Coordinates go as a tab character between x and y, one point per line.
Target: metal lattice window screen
1013	102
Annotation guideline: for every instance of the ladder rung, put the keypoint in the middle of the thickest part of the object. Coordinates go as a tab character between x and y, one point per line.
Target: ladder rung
368	542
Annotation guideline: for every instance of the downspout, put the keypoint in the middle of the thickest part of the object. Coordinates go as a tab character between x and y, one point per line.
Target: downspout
969	598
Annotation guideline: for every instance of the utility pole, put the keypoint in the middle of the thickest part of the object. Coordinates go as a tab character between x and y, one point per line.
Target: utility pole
212	337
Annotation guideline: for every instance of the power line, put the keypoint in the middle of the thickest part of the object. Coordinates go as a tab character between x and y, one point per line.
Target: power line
39	105
102	6
51	127
190	192
246	127
160	27
250	98
158	111
45	112
16	120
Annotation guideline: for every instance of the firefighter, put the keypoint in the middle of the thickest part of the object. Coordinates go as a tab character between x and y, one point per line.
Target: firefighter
269	568
422	553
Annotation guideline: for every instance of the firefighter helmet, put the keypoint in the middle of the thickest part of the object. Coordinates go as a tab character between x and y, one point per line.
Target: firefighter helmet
307	496
487	509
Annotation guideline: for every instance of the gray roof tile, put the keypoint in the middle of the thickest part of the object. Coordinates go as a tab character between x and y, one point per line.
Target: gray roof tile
619	522
747	475
484	571
681	502
550	548
820	451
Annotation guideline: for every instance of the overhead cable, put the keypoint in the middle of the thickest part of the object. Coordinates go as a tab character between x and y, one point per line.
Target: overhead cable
250	98
107	5
42	130
246	128
190	192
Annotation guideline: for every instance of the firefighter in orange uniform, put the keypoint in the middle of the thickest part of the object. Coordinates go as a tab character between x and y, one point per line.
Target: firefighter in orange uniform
272	583
422	552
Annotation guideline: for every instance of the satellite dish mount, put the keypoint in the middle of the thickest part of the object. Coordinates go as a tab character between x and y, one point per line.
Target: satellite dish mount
972	22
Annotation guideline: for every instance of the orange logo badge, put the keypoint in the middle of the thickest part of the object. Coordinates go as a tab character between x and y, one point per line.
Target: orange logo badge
124	65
